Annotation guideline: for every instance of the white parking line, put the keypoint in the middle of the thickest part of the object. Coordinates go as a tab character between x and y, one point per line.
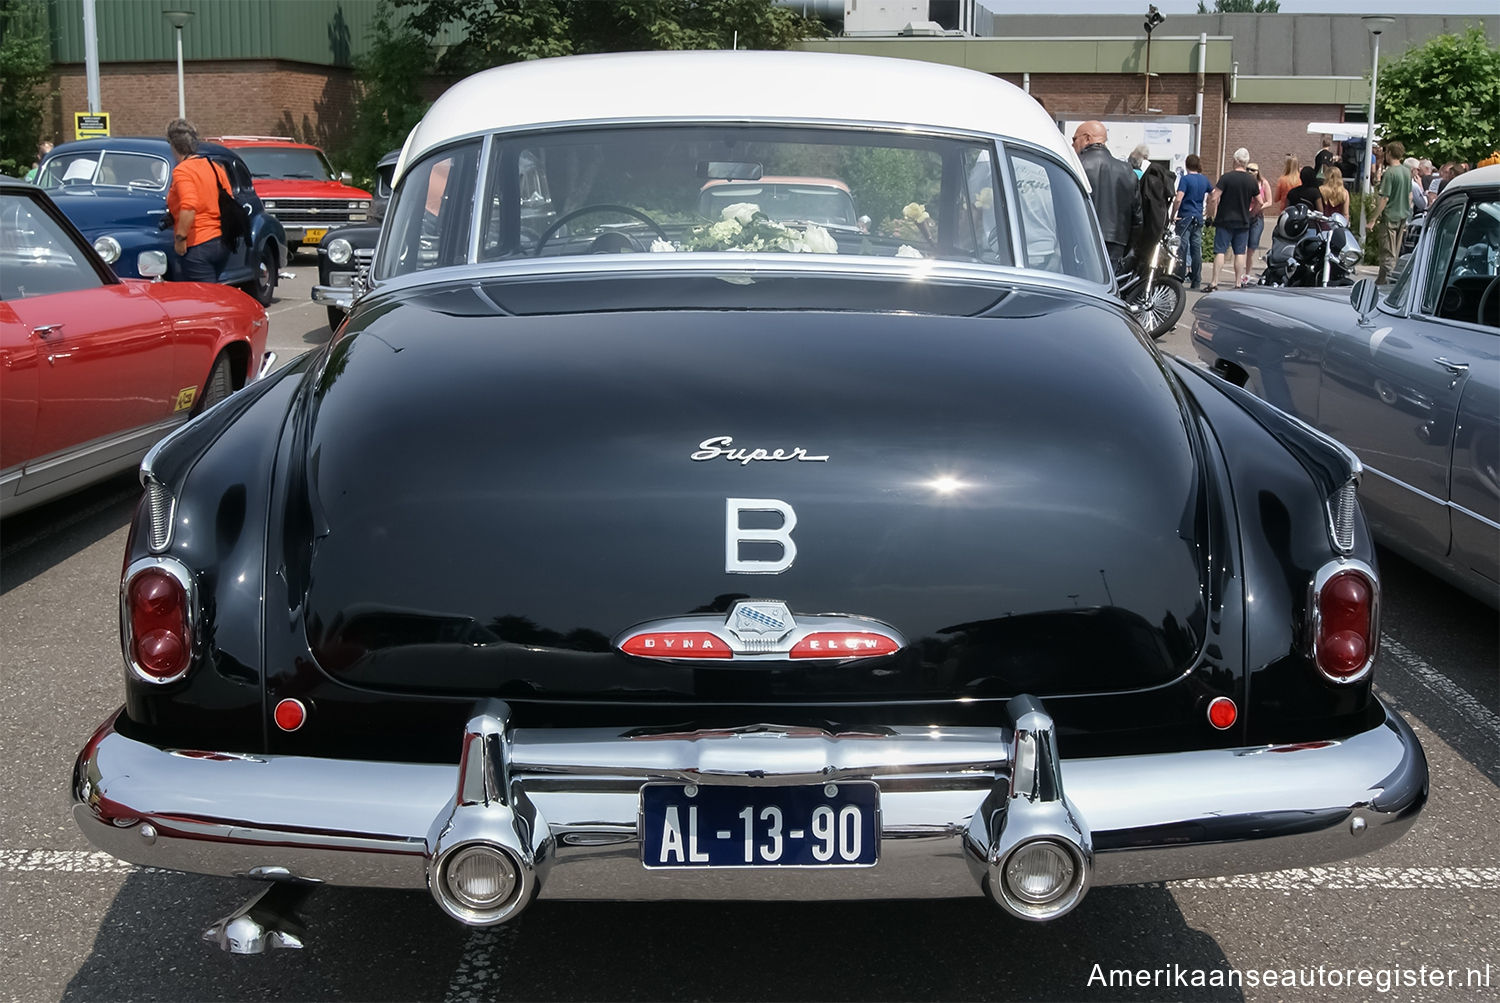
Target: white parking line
479	970
1451	693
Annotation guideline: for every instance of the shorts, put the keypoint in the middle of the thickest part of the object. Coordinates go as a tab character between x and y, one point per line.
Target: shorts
1224	237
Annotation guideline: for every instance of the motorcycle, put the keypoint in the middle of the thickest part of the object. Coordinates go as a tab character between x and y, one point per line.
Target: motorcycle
1151	289
1309	249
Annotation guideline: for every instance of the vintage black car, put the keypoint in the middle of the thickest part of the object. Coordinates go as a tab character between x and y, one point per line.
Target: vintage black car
648	556
1409	378
345	252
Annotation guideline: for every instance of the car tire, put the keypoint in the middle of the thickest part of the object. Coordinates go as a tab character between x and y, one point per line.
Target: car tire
220	384
263	286
1159	311
335	318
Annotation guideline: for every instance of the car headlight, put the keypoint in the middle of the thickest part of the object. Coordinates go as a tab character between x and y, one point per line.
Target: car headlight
269	203
340	251
108	248
355	205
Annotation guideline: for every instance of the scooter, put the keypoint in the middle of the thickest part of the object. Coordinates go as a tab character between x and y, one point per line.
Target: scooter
1309	249
1151	289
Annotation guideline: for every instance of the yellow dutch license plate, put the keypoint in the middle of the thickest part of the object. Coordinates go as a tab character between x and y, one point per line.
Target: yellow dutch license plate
315	234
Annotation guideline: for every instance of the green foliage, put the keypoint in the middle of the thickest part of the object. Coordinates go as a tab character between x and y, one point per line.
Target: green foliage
1206	241
1442	99
390	102
887	180
1241	7
25	68
508	31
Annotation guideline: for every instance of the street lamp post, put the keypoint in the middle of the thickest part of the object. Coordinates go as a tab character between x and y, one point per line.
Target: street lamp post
179	19
1374	24
1154	19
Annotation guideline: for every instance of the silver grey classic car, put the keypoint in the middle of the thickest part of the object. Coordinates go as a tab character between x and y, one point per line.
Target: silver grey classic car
616	550
1408	377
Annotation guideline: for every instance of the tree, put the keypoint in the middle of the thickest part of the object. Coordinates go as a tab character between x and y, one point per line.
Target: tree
390	99
1442	99
25	67
508	31
1241	7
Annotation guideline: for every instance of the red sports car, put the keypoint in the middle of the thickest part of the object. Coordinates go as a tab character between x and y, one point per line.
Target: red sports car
94	369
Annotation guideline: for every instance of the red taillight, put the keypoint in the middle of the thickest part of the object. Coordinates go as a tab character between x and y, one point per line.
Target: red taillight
1345	625
843	644
161	640
677	644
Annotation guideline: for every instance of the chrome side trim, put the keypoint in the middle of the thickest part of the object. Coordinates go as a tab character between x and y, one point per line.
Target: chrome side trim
1398	482
1150	818
43	479
177	570
1481	519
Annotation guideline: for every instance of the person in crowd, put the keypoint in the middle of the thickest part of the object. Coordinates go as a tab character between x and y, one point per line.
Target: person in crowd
1425	173
1229	207
1418	193
1115	192
1290	178
193	206
42	149
1444	174
1334	196
1139	157
1375	165
1392	209
1307	193
1324	158
1192	187
1258	206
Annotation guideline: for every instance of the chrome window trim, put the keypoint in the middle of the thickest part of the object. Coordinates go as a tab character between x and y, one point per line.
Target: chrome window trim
179	571
1422	256
1315	616
999	146
747	264
481	176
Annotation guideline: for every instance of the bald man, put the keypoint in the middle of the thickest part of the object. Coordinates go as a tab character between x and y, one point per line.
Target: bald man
1115	190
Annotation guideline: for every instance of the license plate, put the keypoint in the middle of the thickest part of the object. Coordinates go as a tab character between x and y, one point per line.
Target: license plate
712	825
312	236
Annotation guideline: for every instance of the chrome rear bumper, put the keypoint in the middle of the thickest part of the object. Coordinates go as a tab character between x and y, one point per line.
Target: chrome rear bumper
565	802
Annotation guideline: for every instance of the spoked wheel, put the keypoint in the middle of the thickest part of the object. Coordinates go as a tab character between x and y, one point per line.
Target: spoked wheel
1160	309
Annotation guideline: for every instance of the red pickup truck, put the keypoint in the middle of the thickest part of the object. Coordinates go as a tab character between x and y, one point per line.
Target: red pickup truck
299	187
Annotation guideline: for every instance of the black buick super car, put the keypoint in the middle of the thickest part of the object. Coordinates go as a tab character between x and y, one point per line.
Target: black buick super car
615	552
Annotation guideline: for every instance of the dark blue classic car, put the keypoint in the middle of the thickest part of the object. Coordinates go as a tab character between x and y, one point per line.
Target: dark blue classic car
115	191
1408	378
612	551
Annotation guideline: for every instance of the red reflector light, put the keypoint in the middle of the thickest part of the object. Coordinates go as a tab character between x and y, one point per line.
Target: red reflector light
161	642
1345	625
1222	712
677	644
843	644
290	714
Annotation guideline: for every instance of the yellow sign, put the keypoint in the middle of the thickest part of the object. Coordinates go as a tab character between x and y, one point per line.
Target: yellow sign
185	398
90	125
314	235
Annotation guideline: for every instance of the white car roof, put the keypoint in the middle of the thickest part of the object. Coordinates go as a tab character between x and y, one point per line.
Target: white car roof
727	85
1473	179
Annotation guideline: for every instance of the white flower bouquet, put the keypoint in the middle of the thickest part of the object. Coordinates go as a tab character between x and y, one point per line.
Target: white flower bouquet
743	227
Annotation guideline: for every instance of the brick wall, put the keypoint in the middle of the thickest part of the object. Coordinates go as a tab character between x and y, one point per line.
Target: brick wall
1271	131
1105	95
244	97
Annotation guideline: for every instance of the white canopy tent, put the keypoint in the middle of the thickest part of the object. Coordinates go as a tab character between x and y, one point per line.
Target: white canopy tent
1341	131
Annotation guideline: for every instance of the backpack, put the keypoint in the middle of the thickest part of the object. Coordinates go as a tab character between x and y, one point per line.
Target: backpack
234	222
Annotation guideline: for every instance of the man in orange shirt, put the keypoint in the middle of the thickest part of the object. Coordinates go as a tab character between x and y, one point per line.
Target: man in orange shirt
193	204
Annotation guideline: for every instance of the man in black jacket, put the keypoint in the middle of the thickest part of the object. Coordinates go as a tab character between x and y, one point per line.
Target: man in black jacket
1116	195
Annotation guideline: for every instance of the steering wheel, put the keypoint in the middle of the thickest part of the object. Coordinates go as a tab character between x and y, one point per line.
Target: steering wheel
1484	300
567	217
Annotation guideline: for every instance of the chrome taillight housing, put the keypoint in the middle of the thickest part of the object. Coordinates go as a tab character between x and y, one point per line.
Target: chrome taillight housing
157	619
1344	620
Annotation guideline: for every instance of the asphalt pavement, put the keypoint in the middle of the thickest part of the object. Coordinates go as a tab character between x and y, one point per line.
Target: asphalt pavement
79	925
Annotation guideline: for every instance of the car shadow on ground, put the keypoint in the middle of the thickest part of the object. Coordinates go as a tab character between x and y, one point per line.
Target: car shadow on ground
384	945
46	536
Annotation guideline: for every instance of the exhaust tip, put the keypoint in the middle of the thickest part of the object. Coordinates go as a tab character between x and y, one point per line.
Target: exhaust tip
481	884
1040	880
